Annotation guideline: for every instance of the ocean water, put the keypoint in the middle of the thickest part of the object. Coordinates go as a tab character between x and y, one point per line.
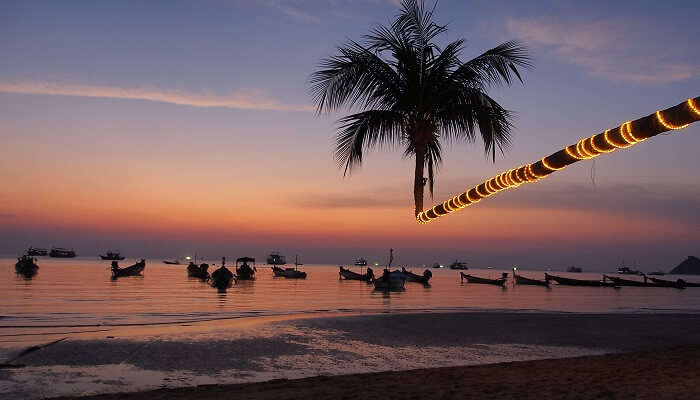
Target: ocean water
73	295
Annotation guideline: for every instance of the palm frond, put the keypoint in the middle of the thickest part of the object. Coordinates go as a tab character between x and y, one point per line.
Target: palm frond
356	75
362	131
496	66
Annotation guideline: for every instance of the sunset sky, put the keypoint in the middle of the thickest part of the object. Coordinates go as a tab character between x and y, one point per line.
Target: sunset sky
164	128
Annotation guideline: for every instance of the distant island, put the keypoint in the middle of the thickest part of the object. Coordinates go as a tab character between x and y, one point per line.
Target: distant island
691	266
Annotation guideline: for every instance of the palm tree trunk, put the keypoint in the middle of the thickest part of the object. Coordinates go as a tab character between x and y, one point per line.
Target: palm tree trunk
418	179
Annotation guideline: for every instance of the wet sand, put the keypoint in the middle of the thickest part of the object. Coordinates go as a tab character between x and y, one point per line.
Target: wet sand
662	374
245	352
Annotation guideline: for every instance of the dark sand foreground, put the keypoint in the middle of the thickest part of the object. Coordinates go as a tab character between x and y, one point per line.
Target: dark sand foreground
662	374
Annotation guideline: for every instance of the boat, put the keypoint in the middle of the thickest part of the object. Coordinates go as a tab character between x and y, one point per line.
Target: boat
290	273
112	255
576	282
60	252
475	279
172	262
627	271
521	280
575	270
411	277
458	265
276	259
437	265
27	266
657	273
678	284
198	271
628	282
222	278
390	280
132	270
361	262
37	252
354	276
245	272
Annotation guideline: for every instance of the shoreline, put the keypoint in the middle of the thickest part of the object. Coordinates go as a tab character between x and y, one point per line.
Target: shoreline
672	373
263	350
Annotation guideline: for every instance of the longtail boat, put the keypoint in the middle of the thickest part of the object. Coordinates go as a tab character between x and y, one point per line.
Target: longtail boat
475	279
628	282
678	284
244	272
390	280
290	273
521	280
411	277
198	271
577	282
222	278
354	276
26	266
132	270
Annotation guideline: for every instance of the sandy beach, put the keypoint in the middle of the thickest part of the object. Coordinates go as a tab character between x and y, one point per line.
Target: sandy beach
661	374
416	355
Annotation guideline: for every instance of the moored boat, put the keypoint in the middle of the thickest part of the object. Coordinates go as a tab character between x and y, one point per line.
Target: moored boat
361	262
576	282
37	252
60	252
245	272
276	259
521	280
575	270
657	273
390	280
459	265
475	279
198	271
112	255
411	277
678	284
628	282
27	266
132	270
222	278
351	275
628	271
172	262
290	273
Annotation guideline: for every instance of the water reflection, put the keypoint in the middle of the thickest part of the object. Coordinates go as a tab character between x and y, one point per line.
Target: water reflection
75	292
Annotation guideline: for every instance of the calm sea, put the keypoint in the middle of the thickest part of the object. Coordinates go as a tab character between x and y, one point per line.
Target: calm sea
78	294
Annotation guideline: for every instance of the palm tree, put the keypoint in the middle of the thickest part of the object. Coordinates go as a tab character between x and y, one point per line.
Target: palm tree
415	94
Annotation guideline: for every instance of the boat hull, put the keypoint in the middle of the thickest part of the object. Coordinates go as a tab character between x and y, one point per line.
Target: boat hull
395	280
424	279
133	270
628	282
288	273
484	281
354	276
521	280
577	282
678	284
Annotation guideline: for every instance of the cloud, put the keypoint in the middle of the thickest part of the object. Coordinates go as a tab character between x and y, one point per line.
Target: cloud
289	10
612	50
673	202
344	201
243	100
